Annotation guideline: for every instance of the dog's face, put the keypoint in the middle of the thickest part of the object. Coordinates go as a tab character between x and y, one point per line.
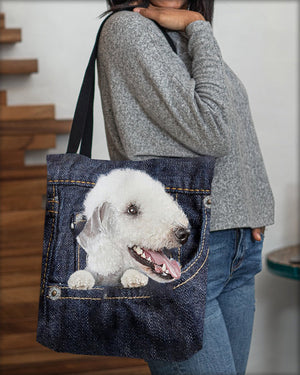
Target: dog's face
132	212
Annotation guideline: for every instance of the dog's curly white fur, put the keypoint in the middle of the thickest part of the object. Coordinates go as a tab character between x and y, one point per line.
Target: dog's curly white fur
129	214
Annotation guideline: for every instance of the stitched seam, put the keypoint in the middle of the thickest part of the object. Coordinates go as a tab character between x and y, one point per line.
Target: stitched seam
183	189
202	245
53	198
47	256
52	201
66	287
100	299
79	298
137	297
95	298
198	270
74	181
167	187
53	212
48	249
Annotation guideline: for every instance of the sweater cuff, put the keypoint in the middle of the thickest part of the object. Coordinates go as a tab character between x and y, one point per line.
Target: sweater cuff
202	42
197	25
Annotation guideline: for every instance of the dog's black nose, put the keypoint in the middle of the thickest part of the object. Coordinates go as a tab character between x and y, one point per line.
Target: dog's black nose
182	235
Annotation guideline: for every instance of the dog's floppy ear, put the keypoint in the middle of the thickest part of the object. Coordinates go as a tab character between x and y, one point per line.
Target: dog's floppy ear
90	231
106	216
93	227
103	211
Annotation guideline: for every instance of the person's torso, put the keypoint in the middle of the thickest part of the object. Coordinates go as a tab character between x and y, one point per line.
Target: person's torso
241	193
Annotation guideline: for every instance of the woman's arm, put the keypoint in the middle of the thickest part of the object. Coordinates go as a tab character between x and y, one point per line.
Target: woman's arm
190	109
170	18
176	19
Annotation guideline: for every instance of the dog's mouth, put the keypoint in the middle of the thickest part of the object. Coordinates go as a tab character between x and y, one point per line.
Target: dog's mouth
160	264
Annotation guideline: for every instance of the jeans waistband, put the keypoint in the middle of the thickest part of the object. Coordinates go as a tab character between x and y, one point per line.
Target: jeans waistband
186	174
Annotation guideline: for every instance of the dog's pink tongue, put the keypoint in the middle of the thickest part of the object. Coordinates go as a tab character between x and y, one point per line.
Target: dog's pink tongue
160	259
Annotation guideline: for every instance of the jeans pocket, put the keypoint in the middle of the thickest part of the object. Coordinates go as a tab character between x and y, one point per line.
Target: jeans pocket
63	255
262	235
253	258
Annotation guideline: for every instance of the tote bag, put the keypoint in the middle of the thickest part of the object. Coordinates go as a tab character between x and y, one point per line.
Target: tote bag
127	276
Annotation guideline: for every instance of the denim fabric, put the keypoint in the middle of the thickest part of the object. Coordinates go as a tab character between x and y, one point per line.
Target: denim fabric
234	259
156	321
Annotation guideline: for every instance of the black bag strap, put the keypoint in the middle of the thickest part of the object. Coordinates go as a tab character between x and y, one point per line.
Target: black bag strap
82	125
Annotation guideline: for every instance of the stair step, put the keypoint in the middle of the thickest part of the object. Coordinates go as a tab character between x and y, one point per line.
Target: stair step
8	67
15	351
55	365
9	315
2	21
27	112
28	325
21	278
12	265
27	142
20	251
22	194
39	171
35	126
21	294
37	359
22	229
17	341
3	98
10	36
47	362
11	160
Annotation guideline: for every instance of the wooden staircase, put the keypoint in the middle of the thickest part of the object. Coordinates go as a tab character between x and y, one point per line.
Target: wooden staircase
8	35
22	189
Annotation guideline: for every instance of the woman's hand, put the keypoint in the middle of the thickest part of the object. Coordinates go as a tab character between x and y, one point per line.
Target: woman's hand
256	233
170	18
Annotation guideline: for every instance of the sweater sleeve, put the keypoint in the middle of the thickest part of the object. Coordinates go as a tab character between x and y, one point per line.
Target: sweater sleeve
190	109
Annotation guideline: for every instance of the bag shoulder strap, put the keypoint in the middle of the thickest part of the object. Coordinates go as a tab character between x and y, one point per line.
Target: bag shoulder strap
82	125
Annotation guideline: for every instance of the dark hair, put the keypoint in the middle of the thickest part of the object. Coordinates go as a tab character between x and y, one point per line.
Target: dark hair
205	7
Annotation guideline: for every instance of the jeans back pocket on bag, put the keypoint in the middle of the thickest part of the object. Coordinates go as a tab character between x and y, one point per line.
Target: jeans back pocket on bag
65	255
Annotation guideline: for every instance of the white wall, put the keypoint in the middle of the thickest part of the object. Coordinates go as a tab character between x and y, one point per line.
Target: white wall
259	40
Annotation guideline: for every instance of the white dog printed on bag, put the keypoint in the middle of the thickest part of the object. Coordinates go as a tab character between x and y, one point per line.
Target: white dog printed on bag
131	223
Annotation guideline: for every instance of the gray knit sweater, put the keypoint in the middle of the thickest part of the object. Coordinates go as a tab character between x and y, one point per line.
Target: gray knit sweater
160	104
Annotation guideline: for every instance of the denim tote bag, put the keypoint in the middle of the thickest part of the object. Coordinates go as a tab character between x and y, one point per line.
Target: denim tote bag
153	310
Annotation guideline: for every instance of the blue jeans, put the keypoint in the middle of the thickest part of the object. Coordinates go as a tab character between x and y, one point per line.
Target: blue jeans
234	259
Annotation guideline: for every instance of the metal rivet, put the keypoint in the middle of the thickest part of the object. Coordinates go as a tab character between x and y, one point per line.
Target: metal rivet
54	293
207	201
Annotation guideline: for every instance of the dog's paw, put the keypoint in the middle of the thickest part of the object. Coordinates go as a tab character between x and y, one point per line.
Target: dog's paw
81	280
133	279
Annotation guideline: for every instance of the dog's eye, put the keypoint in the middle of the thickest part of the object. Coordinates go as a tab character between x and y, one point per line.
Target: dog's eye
132	210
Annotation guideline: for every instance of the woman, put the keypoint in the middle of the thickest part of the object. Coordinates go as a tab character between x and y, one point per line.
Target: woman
160	104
